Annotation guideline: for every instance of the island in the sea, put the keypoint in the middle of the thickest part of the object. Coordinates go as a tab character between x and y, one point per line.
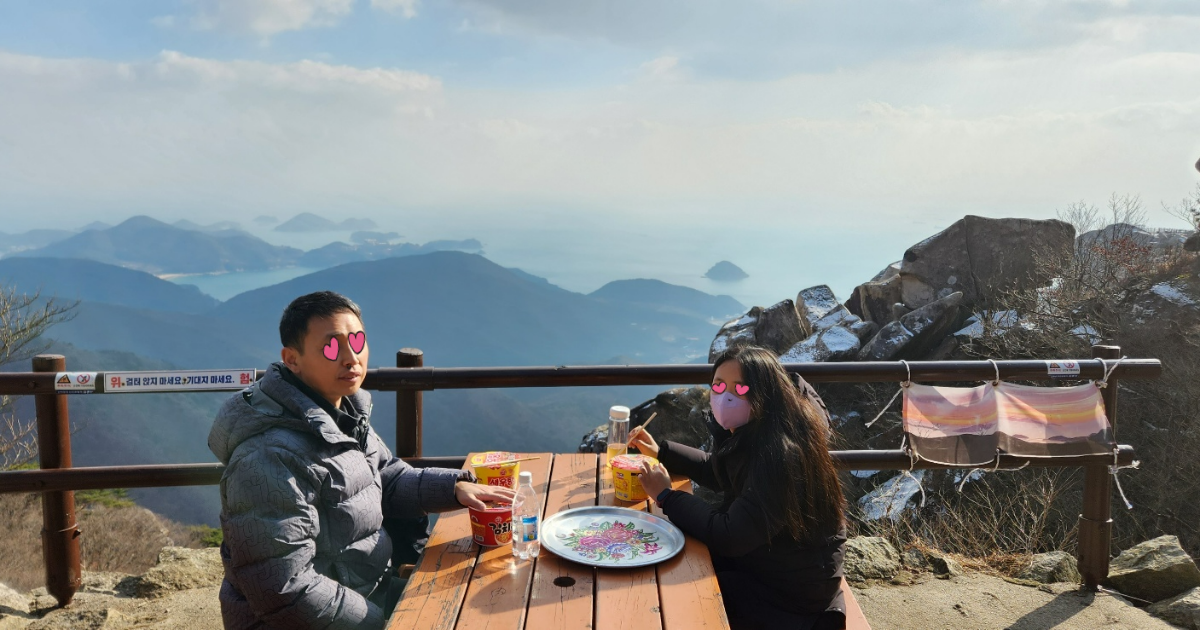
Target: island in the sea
726	271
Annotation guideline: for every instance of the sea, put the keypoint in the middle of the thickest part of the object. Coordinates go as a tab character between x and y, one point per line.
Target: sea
582	258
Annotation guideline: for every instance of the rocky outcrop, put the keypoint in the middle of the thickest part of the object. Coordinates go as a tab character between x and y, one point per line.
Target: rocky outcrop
777	328
1154	570
981	257
916	333
873	301
1052	567
1192	244
1182	610
1155	239
870	558
178	569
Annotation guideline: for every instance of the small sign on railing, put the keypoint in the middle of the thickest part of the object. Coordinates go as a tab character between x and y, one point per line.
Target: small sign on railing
75	382
177	381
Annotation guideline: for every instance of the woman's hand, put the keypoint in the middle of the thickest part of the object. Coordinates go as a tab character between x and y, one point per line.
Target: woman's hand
655	479
644	442
473	495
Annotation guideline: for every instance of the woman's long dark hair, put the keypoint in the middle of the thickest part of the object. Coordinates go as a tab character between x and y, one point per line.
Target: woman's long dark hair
782	455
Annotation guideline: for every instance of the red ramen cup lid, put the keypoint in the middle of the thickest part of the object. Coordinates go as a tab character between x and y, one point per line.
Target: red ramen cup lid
632	463
494	506
492	457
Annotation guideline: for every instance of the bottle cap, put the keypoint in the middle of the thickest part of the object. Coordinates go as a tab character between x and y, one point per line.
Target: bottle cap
618	412
526	476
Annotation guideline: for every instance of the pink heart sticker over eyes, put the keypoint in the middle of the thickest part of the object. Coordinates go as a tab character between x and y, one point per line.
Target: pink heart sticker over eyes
331	350
357	341
741	389
719	388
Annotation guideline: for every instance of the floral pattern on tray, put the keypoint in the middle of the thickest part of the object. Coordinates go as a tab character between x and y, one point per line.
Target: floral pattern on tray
608	541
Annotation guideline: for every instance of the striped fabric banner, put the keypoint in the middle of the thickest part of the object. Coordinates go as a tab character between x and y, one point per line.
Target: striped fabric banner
966	426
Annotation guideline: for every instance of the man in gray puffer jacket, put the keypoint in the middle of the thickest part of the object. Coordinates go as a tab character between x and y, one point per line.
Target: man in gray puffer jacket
308	483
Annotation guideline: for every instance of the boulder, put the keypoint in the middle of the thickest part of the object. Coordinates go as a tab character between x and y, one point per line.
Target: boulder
820	307
178	569
889	271
944	566
780	327
1181	610
14	608
870	558
1192	243
735	332
982	257
1154	570
915	559
1052	567
872	301
835	344
1157	239
915	334
682	414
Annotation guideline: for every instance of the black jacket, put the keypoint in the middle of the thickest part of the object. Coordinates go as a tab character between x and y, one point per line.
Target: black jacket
794	577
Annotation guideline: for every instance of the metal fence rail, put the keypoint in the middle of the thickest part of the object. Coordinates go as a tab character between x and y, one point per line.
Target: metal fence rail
57	479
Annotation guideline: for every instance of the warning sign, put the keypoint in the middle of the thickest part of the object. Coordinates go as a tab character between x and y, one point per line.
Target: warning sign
75	382
177	381
1062	369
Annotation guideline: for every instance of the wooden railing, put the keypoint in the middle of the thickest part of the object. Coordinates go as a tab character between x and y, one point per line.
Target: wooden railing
57	480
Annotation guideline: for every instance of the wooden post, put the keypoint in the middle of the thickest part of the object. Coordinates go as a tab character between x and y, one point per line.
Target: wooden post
409	408
60	532
1095	524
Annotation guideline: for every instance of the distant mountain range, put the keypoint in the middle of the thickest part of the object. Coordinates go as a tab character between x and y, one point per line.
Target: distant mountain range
309	222
185	247
460	308
150	245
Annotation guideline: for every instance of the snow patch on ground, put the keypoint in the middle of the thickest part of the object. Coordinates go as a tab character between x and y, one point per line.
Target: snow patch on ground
1169	293
891	498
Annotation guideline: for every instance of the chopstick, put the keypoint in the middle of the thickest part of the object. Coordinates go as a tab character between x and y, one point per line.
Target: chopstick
511	461
644	425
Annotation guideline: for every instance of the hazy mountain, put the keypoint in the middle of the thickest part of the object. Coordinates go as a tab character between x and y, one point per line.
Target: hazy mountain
658	295
340	253
368	236
77	279
32	239
463	309
358	224
726	271
156	247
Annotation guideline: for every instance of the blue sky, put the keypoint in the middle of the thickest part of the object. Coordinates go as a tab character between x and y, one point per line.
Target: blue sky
901	113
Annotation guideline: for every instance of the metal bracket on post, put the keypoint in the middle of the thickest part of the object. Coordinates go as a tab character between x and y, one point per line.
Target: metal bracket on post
409	407
60	531
1095	524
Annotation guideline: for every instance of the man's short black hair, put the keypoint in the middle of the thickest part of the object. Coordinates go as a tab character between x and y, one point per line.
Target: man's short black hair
293	326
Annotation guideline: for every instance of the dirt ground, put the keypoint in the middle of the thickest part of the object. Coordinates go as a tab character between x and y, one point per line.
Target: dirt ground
978	601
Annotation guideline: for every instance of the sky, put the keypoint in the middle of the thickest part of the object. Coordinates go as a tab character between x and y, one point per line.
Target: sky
894	117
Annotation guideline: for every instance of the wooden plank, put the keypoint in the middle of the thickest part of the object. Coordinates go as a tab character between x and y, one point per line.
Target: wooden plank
855	619
562	593
499	588
626	599
437	586
687	583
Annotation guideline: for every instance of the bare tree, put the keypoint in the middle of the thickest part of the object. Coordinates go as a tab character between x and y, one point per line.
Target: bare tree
1188	209
24	318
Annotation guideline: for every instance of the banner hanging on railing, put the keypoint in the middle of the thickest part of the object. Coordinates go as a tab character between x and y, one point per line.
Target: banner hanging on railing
177	381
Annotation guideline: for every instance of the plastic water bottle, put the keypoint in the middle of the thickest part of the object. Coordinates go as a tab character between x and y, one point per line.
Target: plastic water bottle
526	508
618	431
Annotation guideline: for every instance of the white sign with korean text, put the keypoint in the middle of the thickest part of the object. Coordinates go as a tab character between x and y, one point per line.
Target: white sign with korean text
177	381
1063	369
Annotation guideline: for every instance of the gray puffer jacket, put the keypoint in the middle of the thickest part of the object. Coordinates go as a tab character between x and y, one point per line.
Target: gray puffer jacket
302	510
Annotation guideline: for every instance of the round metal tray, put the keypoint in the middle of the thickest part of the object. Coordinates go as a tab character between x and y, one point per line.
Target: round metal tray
611	537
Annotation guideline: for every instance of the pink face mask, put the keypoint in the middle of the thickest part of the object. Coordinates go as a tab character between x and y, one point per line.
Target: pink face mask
729	411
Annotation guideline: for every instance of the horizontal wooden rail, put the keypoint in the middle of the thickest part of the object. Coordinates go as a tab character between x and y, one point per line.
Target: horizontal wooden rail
163	475
429	378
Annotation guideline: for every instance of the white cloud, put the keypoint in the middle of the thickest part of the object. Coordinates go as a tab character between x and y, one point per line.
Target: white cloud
986	133
269	17
665	67
406	8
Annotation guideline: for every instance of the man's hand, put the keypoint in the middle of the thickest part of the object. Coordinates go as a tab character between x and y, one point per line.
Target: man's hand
655	479
473	495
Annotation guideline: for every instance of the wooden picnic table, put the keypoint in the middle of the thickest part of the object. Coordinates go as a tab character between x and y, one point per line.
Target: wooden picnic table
460	586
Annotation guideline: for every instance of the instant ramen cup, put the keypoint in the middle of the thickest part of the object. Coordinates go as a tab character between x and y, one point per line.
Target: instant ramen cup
491	472
627	480
492	527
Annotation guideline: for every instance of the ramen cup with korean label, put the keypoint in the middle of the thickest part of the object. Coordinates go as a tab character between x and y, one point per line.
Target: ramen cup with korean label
492	526
627	479
496	468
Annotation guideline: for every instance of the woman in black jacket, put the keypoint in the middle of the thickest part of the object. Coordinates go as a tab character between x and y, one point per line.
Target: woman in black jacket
777	538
